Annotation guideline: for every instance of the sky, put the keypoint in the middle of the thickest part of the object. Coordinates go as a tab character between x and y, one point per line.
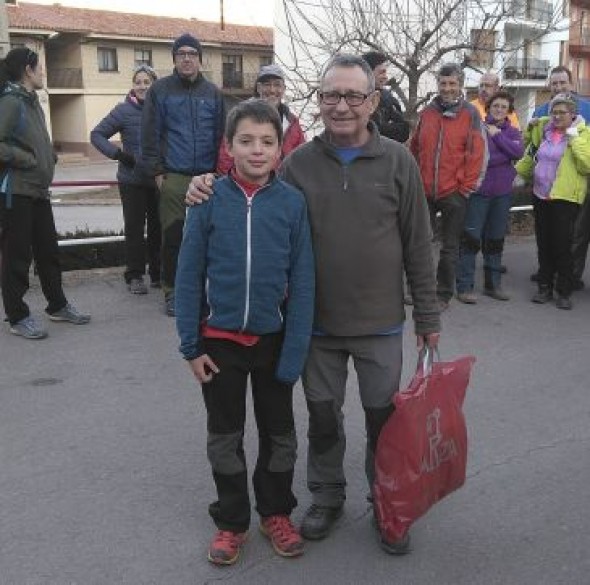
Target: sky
250	12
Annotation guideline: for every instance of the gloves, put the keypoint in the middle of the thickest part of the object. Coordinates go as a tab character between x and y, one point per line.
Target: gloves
125	158
518	182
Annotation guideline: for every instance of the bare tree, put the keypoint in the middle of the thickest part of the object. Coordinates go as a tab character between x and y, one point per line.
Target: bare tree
415	35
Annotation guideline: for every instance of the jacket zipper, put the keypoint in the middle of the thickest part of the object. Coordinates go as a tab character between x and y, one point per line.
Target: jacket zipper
436	162
248	259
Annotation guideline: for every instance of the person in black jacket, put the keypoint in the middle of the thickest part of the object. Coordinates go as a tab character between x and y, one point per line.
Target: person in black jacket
27	227
139	192
181	131
388	115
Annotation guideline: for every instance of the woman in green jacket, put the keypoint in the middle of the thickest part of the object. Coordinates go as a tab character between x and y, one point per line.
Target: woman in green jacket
27	228
557	162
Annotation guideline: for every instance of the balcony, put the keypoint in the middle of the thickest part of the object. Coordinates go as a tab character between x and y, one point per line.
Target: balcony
66	78
538	11
527	68
579	42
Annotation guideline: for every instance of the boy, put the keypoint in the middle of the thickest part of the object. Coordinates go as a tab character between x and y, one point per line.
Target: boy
244	305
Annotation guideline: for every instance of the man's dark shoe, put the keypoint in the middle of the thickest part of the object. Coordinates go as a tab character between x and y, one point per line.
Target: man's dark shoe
169	305
502	269
318	521
563	303
396	547
578	284
535	277
543	295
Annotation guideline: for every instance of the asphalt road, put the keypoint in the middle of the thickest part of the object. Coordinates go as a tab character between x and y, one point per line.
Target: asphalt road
104	478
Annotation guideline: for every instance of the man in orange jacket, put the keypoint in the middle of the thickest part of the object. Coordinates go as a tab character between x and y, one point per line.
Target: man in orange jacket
451	150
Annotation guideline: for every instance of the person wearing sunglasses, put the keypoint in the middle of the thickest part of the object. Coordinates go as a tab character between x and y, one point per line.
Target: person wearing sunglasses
182	127
27	226
557	163
138	190
270	86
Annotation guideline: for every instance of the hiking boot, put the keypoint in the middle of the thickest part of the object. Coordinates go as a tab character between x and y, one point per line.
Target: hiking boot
29	328
563	303
496	293
544	295
318	521
169	307
469	298
396	547
69	314
225	547
136	286
283	536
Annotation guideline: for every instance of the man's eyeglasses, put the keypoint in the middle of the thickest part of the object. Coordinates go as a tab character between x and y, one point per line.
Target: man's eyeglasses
332	98
557	113
277	84
187	54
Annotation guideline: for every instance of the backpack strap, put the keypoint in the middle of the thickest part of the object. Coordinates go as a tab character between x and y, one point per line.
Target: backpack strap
6	176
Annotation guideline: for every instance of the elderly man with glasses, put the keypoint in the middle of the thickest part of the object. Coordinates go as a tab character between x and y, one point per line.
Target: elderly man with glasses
182	127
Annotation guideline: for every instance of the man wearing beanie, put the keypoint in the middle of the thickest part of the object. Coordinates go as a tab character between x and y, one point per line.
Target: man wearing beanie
388	115
182	127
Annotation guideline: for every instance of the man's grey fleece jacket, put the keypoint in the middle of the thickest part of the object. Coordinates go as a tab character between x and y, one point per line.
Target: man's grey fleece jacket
369	221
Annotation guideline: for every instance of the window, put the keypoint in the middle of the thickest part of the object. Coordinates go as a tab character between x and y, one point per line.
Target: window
143	57
232	72
107	59
265	60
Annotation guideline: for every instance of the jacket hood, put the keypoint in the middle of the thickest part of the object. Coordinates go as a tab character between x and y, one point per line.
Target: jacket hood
131	98
20	91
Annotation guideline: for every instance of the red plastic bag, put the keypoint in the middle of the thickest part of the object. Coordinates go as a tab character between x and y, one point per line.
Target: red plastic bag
421	453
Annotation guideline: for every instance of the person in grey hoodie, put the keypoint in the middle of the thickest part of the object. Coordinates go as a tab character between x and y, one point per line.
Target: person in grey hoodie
138	189
27	227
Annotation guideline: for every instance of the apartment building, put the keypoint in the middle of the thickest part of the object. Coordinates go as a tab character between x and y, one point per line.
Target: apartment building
88	57
578	46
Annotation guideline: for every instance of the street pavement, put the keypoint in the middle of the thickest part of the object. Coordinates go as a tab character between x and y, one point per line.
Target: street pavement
104	478
76	217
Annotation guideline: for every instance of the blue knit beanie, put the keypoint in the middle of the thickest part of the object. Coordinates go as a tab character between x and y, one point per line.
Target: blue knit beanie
187	40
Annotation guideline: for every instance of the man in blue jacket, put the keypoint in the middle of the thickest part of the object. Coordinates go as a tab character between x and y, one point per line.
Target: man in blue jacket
182	127
560	81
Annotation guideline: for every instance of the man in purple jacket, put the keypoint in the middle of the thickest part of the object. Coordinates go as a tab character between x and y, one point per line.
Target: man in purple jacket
488	208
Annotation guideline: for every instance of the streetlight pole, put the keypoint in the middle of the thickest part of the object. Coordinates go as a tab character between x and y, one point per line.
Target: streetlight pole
222	21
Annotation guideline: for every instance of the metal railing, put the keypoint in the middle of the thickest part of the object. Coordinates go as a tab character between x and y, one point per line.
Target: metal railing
526	68
87	241
110	239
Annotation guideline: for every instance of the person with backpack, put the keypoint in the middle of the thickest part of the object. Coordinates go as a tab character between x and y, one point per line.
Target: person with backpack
27	163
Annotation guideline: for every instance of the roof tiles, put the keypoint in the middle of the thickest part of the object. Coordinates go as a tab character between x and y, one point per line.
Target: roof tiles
83	20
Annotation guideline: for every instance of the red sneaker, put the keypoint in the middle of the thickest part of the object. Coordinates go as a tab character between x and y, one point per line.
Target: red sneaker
283	535
225	547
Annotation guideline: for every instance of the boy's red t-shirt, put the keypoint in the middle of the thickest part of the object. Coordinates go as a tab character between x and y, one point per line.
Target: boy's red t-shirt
240	337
